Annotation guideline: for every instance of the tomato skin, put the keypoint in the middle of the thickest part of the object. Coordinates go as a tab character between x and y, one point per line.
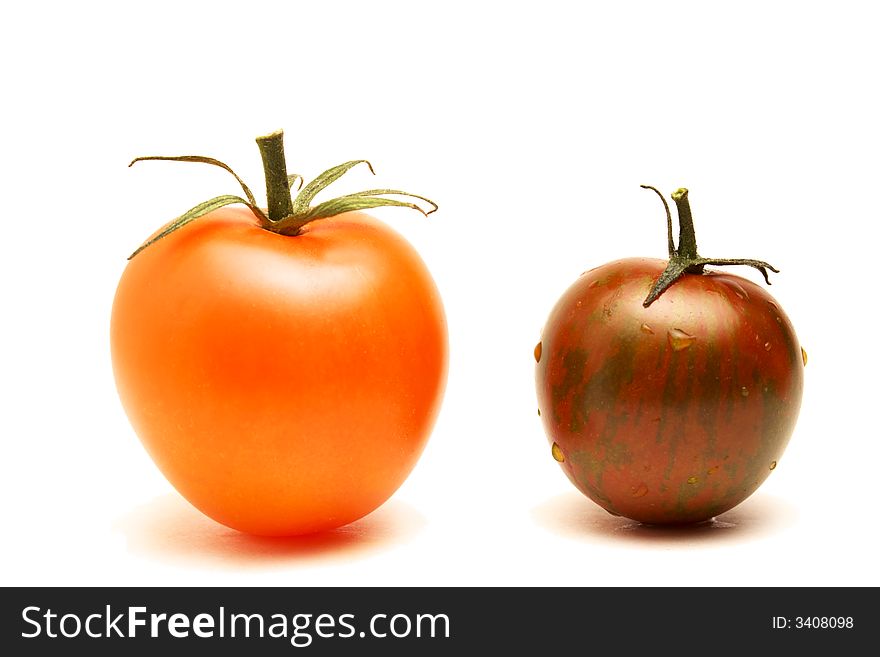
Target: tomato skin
283	385
673	413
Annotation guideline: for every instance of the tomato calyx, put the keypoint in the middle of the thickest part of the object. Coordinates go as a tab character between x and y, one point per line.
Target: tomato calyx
285	214
684	259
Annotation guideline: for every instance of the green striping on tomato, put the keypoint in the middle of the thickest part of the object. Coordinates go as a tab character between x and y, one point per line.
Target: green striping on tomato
668	393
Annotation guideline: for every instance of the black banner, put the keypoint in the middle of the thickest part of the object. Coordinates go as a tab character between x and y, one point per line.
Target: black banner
431	621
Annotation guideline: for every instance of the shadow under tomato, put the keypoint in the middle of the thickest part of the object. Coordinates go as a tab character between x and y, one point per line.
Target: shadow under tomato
170	529
573	515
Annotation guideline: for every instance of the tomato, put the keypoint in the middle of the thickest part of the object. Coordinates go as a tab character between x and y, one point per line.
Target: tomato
283	384
672	409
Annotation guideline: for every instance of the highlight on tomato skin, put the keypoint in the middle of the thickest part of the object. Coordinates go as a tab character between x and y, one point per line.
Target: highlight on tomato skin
675	409
283	383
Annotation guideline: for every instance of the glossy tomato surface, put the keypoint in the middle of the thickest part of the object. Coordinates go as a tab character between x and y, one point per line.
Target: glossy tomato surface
673	413
283	385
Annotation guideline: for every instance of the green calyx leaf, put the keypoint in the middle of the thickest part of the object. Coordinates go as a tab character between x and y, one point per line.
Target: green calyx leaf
371	198
303	212
304	198
286	215
191	215
202	160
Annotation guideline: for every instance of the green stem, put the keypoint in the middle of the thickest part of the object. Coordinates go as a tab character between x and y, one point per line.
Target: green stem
280	203
687	238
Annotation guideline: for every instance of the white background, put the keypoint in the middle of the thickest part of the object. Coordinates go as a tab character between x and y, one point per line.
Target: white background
532	124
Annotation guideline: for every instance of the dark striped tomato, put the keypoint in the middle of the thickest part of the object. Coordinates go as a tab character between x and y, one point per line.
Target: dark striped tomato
675	412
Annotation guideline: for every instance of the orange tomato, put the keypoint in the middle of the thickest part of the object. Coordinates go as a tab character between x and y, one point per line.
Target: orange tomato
283	384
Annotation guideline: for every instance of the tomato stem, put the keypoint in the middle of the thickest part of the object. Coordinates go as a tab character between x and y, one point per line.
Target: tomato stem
687	238
684	259
278	198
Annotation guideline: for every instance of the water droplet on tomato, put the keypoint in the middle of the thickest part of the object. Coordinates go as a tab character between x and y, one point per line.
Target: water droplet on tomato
647	329
804	355
739	290
556	451
767	346
594	283
693	480
639	491
538	353
773	306
679	340
773	465
744	391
